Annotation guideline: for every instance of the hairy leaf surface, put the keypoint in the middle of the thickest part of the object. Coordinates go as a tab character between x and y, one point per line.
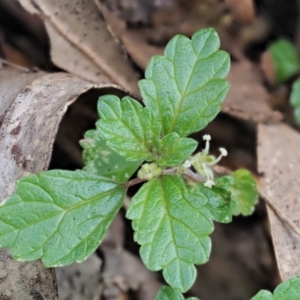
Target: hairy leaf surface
218	199
130	128
185	88
58	216
243	192
263	295
288	290
168	293
171	229
172	149
101	160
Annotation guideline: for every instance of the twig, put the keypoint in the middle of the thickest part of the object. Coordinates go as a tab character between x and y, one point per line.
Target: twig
8	63
134	182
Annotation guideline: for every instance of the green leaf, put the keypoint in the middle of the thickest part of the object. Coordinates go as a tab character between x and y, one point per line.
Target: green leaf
171	229
244	192
185	88
168	293
295	99
285	59
263	295
218	198
58	216
101	160
288	290
128	127
172	149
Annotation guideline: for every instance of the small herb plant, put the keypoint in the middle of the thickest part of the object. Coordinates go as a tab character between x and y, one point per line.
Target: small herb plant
286	63
62	216
285	59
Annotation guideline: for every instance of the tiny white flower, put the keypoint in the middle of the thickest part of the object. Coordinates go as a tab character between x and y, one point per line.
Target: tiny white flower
215	161
209	183
223	151
206	137
203	162
187	164
149	171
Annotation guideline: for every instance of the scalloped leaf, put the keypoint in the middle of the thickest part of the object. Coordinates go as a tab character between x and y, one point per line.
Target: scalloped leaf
58	216
171	229
185	88
173	150
101	160
218	199
295	99
243	192
288	290
129	128
168	293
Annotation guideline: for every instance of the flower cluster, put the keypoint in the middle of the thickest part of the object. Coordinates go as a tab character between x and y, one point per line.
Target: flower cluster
149	171
203	161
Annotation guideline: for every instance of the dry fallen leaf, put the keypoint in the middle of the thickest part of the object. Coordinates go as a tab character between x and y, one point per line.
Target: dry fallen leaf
12	82
247	98
278	162
80	281
14	282
124	271
32	113
167	20
81	42
135	43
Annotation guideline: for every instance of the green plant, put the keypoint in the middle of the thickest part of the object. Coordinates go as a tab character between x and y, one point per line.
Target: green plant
289	290
285	59
287	64
62	216
295	99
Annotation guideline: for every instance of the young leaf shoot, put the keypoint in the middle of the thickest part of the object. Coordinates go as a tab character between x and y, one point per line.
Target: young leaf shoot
62	216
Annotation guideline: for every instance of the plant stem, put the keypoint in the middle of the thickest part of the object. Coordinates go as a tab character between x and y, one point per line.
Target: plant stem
133	181
187	173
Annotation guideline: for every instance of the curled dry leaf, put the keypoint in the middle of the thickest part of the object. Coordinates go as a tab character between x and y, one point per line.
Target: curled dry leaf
247	98
279	161
81	42
18	279
32	116
12	82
